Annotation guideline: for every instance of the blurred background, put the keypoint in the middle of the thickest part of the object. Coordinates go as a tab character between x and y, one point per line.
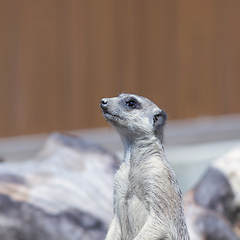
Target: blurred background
58	58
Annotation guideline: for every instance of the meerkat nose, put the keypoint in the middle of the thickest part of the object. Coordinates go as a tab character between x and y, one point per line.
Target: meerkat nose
103	103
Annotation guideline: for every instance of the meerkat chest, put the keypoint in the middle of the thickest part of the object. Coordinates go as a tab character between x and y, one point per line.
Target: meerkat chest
129	184
130	202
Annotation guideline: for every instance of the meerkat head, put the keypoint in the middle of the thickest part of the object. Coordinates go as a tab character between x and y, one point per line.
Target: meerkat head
134	116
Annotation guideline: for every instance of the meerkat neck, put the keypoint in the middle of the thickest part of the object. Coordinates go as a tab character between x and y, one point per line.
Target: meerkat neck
146	146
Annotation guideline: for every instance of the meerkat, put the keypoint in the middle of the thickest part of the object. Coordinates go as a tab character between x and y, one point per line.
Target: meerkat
147	198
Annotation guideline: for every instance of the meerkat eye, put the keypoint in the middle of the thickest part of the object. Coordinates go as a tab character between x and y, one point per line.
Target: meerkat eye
132	103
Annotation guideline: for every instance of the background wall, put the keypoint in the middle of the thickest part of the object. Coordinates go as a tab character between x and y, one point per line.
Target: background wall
58	58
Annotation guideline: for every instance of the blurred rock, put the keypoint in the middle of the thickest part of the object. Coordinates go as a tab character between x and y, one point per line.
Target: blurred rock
212	208
65	192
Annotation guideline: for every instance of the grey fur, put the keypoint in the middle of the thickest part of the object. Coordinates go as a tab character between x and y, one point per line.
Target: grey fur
147	198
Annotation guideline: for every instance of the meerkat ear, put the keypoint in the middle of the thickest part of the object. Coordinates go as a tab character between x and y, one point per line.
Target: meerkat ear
159	120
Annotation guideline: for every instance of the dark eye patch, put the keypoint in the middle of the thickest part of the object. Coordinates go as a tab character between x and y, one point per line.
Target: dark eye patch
132	103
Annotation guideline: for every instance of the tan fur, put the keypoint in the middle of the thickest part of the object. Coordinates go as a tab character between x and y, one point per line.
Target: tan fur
147	199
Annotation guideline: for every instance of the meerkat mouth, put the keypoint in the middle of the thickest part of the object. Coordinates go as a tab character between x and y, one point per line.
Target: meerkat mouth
111	117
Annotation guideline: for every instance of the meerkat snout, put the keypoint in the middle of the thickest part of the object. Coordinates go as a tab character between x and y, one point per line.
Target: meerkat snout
103	102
